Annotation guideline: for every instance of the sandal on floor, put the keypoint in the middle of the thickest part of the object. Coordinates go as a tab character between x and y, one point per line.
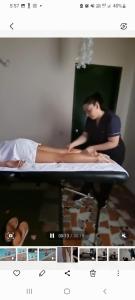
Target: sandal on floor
21	234
11	227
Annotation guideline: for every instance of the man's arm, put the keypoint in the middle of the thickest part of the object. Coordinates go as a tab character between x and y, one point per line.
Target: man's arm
79	141
110	144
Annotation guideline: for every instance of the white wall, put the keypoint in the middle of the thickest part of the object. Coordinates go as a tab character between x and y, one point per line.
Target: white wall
36	89
130	141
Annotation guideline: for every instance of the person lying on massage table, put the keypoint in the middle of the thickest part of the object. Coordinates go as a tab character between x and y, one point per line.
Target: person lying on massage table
14	153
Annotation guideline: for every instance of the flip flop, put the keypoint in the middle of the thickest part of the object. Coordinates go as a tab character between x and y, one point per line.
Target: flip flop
21	234
11	227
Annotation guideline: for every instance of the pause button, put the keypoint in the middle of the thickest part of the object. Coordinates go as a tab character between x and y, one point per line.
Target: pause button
29	291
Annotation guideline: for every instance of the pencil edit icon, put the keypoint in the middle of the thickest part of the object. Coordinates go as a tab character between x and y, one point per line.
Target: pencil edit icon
41	273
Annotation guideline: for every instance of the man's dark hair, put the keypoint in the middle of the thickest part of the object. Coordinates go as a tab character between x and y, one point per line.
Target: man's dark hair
93	98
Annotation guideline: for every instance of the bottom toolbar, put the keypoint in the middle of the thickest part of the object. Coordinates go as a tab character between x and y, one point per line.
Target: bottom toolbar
70	283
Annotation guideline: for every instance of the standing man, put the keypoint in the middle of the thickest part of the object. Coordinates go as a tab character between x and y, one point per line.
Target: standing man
102	133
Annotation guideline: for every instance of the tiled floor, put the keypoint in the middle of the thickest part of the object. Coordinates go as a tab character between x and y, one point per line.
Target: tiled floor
117	218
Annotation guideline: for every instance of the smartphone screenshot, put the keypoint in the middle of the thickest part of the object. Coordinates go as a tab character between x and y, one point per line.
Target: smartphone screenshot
67	83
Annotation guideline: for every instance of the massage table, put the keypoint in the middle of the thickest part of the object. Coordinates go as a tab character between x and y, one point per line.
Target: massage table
60	173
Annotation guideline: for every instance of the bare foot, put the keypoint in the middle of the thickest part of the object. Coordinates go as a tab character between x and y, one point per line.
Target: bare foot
14	163
11	227
103	158
21	234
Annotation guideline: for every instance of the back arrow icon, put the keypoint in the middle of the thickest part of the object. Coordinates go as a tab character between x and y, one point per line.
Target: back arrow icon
11	26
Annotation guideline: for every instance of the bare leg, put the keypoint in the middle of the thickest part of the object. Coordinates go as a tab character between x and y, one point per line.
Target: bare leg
56	150
50	157
51	149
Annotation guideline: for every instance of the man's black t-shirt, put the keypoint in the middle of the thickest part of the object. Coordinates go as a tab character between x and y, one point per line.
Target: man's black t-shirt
108	126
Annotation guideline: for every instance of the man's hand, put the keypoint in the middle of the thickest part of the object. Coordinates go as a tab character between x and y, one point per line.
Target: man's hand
75	150
91	151
14	163
69	147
